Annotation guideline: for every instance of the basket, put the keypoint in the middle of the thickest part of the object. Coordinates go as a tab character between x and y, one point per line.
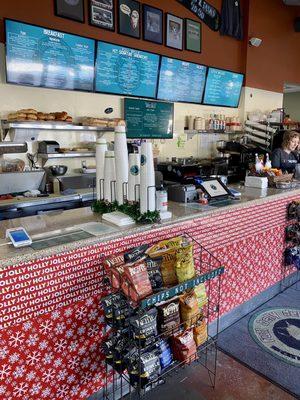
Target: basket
272	180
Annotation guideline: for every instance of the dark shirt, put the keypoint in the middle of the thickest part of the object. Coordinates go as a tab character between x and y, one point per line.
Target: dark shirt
231	19
284	161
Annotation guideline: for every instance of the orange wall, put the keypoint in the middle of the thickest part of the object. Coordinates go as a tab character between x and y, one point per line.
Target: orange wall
217	50
277	60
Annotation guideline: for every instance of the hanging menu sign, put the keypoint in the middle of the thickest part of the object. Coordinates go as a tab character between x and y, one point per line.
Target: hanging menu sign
206	12
149	119
39	56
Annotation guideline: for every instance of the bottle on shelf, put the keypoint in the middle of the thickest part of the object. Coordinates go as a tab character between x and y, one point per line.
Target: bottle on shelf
268	164
258	164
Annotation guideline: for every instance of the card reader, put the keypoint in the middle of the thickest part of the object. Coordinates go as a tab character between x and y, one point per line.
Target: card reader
19	237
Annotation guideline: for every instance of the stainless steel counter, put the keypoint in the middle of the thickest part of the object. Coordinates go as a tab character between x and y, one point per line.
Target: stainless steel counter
57	223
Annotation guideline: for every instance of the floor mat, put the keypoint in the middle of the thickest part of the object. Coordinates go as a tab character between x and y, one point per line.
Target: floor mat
268	340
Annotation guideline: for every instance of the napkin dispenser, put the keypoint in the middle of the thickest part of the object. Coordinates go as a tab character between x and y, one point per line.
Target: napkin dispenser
256	182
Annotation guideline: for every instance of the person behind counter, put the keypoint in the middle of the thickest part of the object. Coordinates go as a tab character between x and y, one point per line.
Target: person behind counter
286	157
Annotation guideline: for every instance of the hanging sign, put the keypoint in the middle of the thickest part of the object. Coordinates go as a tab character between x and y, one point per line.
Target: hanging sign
206	12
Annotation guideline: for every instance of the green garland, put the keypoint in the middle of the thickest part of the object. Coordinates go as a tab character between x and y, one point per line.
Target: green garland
131	209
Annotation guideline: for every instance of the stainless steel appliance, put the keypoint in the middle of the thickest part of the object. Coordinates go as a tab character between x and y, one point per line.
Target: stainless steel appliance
48	147
182	193
18	182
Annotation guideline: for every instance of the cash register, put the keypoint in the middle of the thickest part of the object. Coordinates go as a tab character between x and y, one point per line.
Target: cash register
217	193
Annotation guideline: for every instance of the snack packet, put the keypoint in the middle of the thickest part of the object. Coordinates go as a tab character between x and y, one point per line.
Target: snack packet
200	332
168	316
135	281
113	266
184	347
154	272
185	268
164	245
168	267
107	304
189	308
201	294
135	254
165	354
144	327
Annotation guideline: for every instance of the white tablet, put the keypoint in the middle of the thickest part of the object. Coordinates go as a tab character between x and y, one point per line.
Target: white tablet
19	237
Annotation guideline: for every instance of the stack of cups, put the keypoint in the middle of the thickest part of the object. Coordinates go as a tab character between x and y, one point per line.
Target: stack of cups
134	177
109	176
147	186
121	163
101	148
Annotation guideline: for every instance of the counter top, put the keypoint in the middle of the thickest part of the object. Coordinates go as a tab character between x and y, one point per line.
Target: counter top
60	222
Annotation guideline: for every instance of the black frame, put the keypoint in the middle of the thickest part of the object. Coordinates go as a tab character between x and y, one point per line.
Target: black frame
139	24
166	32
220	105
185	27
126	94
144	25
46	87
181	101
154	101
67	17
102	27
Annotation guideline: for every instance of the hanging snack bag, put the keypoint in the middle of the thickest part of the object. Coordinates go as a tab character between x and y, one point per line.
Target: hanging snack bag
184	347
168	266
200	332
185	268
201	294
154	272
168	317
165	354
150	367
113	266
135	281
144	327
121	312
135	254
189	308
107	304
173	243
119	350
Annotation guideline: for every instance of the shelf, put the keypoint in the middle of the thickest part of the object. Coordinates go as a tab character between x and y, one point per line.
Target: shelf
191	133
55	125
53	156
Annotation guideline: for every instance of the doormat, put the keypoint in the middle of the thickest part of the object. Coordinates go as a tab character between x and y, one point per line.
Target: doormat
268	340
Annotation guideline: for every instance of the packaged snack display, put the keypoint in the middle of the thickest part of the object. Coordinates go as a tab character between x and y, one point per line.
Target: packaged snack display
200	332
184	347
185	268
201	294
165	354
136	253
135	281
168	316
189	308
154	272
144	327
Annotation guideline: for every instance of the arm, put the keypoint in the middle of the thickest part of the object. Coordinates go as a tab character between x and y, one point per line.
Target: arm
276	158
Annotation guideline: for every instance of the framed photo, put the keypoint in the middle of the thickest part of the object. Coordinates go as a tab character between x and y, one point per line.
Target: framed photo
174	32
129	18
71	9
102	14
193	35
152	24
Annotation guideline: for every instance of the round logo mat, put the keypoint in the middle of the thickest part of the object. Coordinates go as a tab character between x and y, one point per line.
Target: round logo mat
277	330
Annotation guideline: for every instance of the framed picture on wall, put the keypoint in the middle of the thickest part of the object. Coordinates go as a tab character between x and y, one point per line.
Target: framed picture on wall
152	24
129	18
101	14
174	32
71	9
193	35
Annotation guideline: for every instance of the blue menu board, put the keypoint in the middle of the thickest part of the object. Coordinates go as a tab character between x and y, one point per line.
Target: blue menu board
223	88
181	81
121	70
43	57
148	119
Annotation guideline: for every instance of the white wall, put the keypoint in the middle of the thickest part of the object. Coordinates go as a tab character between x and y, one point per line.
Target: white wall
291	103
80	104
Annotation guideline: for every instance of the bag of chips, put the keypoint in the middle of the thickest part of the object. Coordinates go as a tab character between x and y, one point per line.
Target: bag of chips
135	254
113	266
135	281
121	312
185	268
184	347
201	294
173	243
168	317
165	354
144	327
168	267
189	308
200	332
154	272
107	304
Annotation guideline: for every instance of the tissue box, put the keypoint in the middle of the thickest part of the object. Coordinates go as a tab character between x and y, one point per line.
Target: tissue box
256	182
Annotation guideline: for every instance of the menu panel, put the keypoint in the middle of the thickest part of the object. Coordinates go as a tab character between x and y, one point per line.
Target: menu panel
43	57
181	81
149	119
223	88
121	70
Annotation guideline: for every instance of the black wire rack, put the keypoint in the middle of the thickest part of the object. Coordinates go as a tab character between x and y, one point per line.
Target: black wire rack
209	270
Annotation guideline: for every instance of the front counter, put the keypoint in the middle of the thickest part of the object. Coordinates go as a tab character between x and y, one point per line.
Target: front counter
51	323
